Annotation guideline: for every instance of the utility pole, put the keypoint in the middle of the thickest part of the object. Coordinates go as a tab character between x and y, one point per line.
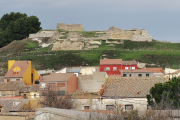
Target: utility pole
90	115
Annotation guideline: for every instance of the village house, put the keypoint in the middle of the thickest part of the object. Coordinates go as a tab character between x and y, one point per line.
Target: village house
21	71
137	73
11	88
30	92
113	66
76	71
127	92
63	82
91	82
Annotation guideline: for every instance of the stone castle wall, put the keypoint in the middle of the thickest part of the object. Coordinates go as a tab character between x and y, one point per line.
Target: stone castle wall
68	45
42	34
70	27
134	34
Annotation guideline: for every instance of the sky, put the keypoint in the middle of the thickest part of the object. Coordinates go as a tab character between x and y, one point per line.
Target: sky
161	18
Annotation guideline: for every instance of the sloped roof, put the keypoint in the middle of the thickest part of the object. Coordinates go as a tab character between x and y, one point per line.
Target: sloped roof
1	85
132	62
13	104
28	89
137	71
1	79
178	71
74	70
156	70
110	61
23	65
57	77
130	87
12	85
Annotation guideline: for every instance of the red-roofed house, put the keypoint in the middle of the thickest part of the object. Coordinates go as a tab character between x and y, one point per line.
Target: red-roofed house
21	71
63	82
112	66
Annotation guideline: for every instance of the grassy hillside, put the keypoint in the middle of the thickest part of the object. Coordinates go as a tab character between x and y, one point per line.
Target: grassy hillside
43	58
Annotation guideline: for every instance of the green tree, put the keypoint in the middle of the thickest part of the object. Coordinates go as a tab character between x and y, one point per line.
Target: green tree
165	95
17	26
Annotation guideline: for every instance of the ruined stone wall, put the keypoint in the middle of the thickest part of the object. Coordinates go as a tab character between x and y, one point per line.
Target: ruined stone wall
142	38
73	36
42	34
70	27
68	45
134	34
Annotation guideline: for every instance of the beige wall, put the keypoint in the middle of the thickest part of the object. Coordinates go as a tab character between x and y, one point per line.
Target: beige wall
9	93
12	79
136	74
91	83
13	117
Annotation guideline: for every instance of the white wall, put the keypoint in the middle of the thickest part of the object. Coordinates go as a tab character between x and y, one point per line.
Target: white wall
97	104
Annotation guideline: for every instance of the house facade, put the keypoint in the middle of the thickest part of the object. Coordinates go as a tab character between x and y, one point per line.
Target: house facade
62	82
137	73
112	66
21	71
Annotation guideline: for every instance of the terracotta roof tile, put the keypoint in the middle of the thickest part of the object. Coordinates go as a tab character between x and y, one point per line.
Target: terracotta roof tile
28	89
1	85
57	77
156	70
133	62
130	87
178	71
23	65
12	85
13	104
110	61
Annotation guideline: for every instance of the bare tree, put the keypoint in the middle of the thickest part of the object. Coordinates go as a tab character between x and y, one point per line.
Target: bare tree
52	98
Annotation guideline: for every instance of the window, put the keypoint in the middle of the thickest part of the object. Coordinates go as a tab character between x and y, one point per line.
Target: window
8	80
61	92
147	75
86	107
43	85
24	95
129	75
128	107
126	68
107	68
133	68
124	75
114	68
17	79
139	75
110	107
149	107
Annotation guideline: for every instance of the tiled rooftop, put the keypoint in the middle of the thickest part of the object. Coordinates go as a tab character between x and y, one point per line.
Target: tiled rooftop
57	77
130	87
132	62
110	61
13	104
156	70
12	85
28	89
23	65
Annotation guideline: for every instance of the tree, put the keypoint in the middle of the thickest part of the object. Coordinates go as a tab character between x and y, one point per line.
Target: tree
166	96
17	26
52	98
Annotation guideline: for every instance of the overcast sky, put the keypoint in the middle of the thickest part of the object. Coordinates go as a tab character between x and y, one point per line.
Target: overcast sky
161	18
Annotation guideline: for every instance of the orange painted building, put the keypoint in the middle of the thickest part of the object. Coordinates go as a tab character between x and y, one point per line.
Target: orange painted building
21	71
